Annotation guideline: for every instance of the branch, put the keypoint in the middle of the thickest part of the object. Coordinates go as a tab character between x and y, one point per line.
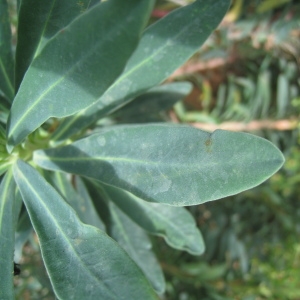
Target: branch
280	125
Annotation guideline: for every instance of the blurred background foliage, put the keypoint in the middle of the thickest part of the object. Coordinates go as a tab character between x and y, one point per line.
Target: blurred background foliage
245	78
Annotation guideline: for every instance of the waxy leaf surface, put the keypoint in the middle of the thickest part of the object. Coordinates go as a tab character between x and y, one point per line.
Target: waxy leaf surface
82	261
136	243
7	238
6	57
38	25
171	164
149	107
75	67
175	224
163	48
82	205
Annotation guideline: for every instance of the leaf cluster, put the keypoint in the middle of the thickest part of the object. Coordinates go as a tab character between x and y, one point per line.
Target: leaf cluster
92	192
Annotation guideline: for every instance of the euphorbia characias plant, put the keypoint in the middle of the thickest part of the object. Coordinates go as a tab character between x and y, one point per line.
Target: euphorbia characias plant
92	190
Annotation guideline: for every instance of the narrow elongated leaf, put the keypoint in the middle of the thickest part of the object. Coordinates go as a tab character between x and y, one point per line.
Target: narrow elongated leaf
38	25
82	261
174	224
3	111
83	193
4	166
7	240
4	157
136	243
282	95
75	68
176	165
148	107
83	206
6	58
22	234
163	48
18	207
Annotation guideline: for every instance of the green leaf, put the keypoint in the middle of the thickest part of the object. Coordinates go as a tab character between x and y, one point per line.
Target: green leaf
136	243
283	97
82	261
22	234
82	205
163	48
4	166
171	164
4	156
75	67
18	207
175	224
148	107
6	57
38	25
3	111
7	239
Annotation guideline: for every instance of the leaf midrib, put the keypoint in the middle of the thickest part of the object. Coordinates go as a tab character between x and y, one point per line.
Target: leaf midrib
125	75
111	158
79	62
6	77
63	233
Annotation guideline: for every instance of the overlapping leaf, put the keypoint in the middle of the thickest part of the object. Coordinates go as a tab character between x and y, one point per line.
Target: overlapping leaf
82	205
189	167
163	48
135	242
174	224
22	234
75	68
149	106
82	261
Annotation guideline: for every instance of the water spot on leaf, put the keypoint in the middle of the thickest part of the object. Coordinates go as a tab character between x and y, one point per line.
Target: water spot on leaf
78	241
160	184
